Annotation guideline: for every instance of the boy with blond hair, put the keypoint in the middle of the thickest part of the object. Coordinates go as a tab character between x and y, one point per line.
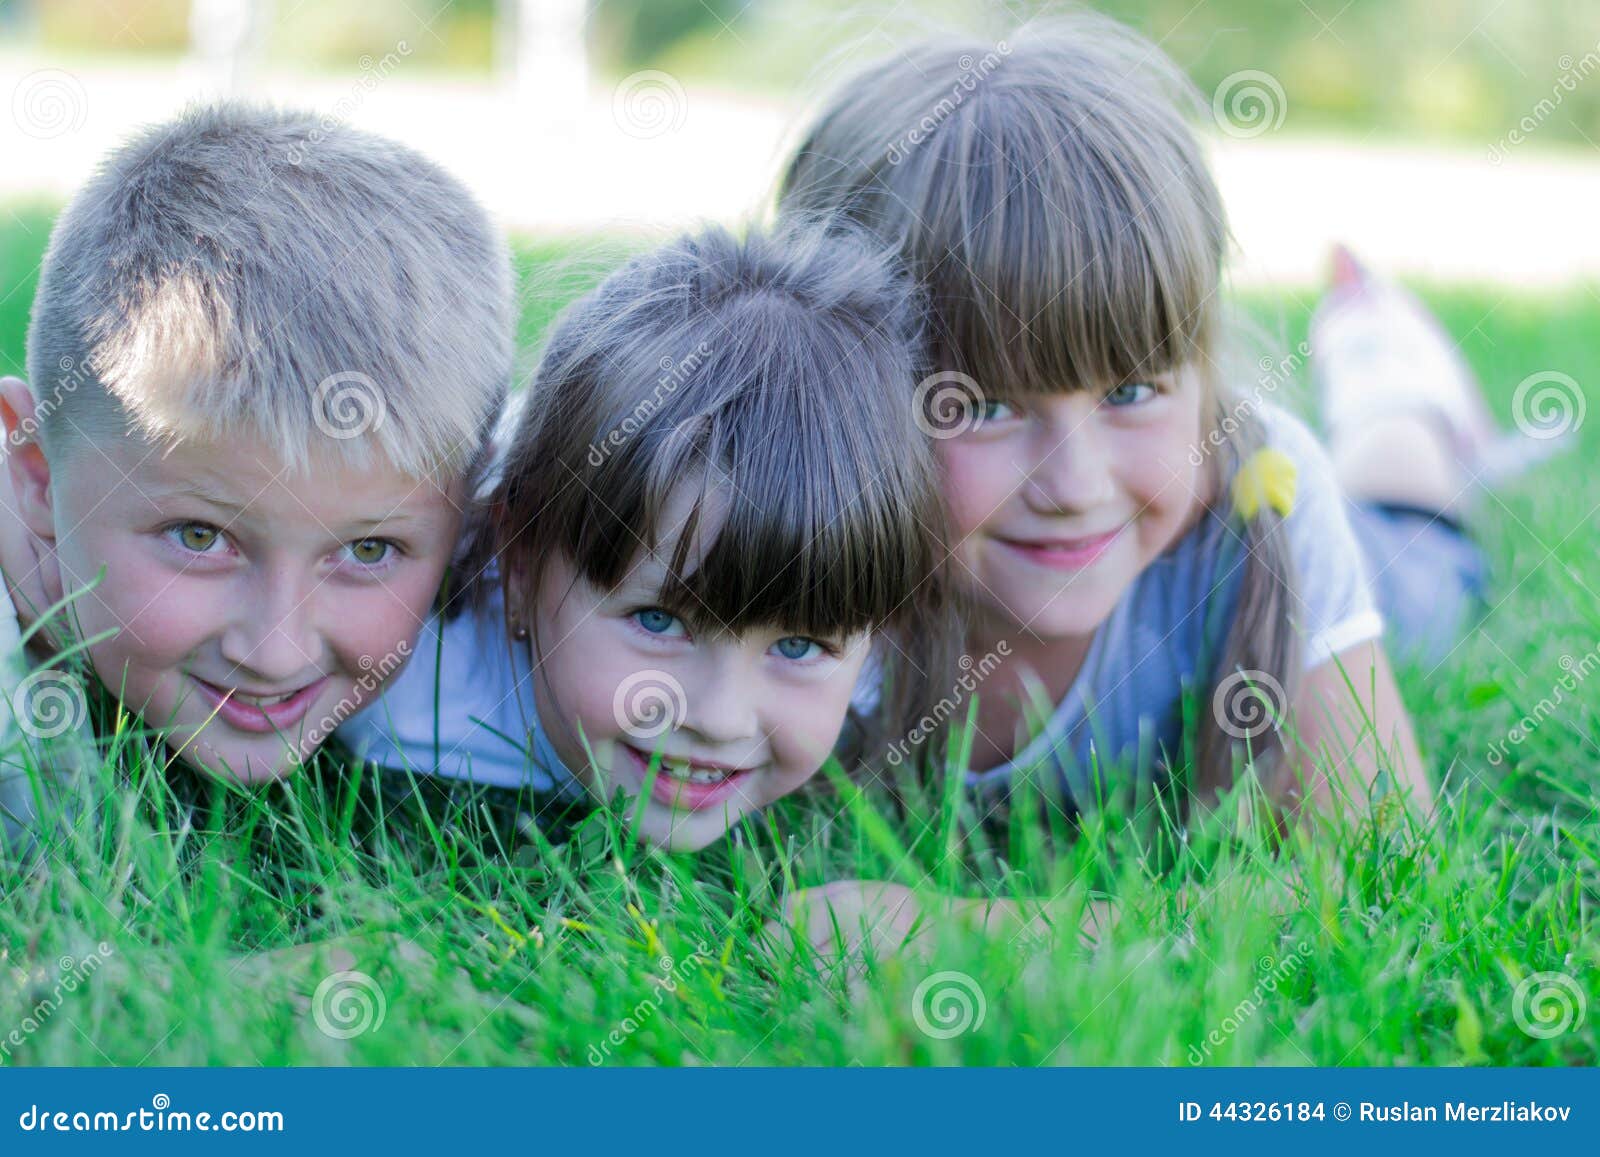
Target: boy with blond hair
264	360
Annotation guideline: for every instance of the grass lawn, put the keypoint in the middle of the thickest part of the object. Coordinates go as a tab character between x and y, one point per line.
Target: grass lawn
173	931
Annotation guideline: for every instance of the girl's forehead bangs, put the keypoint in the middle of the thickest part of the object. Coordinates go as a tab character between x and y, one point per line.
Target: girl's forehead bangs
1054	259
785	545
768	508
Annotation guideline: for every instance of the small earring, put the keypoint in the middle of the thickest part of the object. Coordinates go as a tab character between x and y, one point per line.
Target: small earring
519	631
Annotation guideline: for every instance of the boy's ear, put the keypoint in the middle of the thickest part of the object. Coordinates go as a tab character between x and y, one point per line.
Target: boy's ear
26	466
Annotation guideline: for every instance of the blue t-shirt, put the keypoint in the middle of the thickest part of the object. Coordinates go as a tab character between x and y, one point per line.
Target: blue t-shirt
1166	632
462	707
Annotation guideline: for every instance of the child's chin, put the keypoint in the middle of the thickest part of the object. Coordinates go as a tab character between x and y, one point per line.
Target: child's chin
239	763
681	831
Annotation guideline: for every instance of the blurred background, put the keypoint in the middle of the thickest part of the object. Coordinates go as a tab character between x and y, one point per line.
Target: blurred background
1449	140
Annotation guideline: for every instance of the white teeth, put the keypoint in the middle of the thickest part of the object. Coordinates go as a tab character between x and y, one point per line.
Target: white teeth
263	700
687	773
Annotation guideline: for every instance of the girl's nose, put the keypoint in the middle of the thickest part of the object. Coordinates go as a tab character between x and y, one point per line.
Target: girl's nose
721	700
1072	471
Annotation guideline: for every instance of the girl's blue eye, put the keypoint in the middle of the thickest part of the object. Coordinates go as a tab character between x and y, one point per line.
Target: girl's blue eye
994	412
655	620
797	647
1130	393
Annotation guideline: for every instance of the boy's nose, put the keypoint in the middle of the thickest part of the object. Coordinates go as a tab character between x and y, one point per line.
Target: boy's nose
271	636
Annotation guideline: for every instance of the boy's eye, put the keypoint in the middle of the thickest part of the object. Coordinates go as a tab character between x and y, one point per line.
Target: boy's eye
1130	393
798	647
657	621
196	537
370	551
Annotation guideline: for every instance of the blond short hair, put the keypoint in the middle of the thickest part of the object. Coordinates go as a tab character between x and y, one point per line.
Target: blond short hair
249	270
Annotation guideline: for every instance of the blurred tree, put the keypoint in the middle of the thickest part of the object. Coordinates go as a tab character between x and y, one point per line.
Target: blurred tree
1469	69
633	33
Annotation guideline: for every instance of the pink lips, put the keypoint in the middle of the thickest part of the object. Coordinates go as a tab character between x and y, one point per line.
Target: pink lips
1063	553
260	720
669	792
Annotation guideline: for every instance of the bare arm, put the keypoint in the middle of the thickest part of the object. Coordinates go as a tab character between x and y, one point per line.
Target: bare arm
1350	725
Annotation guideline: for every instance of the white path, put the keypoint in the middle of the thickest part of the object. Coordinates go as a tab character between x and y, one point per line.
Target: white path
653	154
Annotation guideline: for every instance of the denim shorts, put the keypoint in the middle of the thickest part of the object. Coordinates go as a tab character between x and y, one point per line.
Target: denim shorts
1428	577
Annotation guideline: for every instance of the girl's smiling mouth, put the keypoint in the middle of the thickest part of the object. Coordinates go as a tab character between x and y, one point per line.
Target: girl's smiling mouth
261	714
1062	553
690	784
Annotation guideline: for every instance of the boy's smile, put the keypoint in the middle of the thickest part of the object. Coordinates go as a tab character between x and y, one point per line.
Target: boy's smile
252	608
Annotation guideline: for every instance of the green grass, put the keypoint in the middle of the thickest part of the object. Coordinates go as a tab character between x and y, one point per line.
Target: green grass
191	898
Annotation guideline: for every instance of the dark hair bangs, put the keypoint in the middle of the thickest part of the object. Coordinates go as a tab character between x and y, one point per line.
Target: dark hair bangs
816	529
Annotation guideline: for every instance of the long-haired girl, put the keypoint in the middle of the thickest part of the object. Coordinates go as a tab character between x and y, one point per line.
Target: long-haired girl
1128	515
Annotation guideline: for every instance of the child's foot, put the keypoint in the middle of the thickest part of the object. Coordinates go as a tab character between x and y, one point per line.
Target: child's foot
1377	352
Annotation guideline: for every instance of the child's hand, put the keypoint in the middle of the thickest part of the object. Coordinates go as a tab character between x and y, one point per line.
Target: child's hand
840	919
837	920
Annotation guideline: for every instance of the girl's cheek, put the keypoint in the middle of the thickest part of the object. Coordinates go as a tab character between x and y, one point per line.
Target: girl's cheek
975	479
592	666
809	725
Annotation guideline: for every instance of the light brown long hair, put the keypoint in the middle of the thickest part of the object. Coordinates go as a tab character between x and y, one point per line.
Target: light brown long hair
779	370
1051	197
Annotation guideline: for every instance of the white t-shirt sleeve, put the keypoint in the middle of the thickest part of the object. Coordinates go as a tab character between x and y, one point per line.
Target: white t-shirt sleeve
1333	606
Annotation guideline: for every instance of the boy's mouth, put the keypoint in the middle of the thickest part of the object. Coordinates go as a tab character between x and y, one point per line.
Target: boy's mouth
689	784
260	713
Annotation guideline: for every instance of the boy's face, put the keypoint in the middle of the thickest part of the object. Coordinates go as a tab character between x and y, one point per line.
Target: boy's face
739	720
253	608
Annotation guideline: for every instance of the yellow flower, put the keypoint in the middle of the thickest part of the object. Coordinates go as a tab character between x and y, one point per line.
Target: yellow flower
1267	476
